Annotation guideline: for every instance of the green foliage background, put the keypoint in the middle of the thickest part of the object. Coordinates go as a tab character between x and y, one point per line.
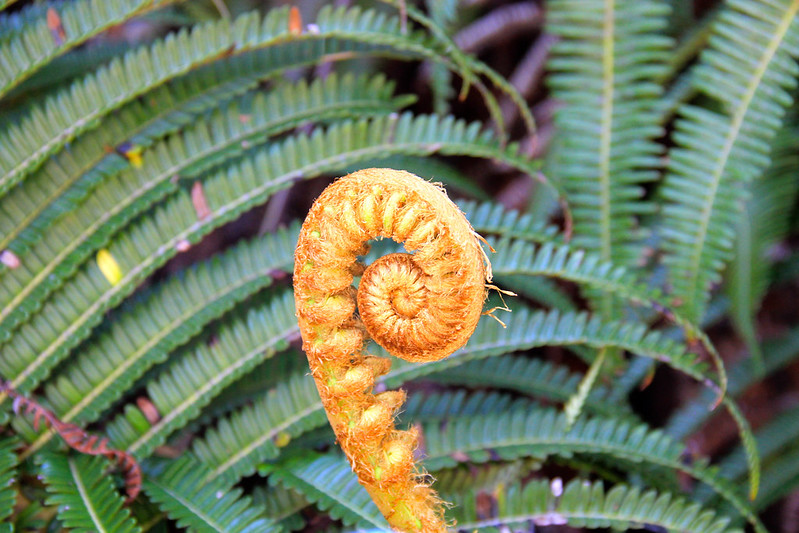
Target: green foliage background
658	192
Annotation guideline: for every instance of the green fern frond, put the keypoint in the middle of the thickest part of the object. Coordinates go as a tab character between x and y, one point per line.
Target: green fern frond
718	154
587	504
535	377
518	257
65	180
8	471
604	68
328	482
229	192
222	136
200	372
85	495
180	489
166	317
255	433
73	111
37	43
282	505
543	432
763	224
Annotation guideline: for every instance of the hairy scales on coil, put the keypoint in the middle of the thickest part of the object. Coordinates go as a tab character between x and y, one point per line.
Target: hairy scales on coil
420	307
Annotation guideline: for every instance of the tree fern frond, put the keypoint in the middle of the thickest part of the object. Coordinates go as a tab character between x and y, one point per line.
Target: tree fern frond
223	136
85	495
281	505
8	471
543	432
229	192
762	225
181	490
37	42
73	111
200	372
536	377
604	69
751	57
168	316
329	482
587	504
255	433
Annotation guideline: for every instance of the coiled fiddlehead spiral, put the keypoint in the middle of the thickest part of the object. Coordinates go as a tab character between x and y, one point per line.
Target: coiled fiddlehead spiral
420	307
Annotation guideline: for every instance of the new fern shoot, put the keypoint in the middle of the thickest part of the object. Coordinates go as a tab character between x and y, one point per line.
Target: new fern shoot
420	307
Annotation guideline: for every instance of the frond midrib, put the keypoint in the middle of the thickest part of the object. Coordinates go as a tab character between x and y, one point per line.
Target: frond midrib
84	494
695	257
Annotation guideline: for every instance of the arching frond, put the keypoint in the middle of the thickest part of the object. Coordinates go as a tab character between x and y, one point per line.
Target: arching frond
583	503
199	372
85	495
181	491
250	121
544	432
61	28
604	68
749	68
73	111
168	316
559	261
329	482
229	192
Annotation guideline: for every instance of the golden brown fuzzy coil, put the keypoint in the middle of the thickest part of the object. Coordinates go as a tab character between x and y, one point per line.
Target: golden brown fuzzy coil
420	307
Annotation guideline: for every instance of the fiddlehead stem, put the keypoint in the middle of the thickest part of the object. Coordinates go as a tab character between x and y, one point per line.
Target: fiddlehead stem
420	307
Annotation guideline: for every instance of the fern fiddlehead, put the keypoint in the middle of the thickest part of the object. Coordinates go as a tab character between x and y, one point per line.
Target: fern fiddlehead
420	307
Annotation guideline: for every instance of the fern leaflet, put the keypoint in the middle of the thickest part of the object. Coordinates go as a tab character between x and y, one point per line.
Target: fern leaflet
85	495
751	55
